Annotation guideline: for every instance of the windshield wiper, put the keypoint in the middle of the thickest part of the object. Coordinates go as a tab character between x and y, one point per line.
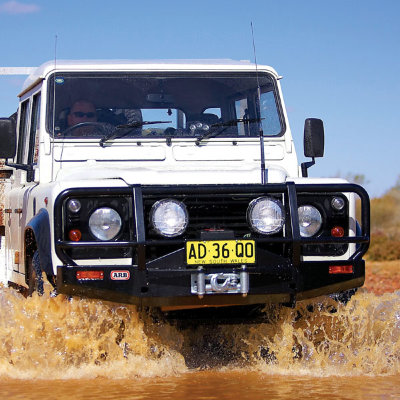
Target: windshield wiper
225	125
118	134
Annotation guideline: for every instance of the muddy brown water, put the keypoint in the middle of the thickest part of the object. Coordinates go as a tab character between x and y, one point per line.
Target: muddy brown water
62	348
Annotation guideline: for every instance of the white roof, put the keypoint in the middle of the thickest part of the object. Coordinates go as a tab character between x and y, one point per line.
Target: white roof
143	65
17	70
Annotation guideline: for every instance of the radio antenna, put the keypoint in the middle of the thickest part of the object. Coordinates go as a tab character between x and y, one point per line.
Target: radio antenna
264	172
54	108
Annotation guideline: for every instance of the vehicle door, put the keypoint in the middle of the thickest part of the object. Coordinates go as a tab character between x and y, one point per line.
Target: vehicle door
20	206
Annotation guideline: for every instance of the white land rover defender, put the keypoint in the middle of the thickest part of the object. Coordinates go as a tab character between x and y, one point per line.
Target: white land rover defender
172	184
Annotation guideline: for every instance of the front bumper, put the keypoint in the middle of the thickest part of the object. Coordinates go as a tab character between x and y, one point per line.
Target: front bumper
163	287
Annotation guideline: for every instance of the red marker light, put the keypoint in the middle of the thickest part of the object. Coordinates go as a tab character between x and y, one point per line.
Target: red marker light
337	231
90	275
75	235
341	269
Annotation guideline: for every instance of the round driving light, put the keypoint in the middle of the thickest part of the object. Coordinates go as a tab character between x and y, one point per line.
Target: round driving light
74	205
199	125
337	203
310	220
265	215
206	127
169	217
105	223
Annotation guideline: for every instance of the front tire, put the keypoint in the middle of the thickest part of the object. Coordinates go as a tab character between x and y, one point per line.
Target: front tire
344	297
35	281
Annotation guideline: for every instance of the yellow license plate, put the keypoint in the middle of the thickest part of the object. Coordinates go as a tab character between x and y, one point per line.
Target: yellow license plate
220	252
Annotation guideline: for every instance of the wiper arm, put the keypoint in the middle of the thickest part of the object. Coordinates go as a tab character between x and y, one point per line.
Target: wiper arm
214	128
137	124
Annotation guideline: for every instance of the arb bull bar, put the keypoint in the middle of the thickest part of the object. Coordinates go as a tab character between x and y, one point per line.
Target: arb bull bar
168	280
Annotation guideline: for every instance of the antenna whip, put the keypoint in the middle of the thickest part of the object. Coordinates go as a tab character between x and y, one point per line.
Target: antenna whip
264	172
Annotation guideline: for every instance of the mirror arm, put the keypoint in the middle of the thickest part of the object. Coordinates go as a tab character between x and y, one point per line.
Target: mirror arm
305	166
25	167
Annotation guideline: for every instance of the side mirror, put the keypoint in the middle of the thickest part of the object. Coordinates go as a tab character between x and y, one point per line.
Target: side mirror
313	142
313	137
8	138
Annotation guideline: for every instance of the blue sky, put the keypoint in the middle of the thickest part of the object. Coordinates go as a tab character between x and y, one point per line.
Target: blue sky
340	59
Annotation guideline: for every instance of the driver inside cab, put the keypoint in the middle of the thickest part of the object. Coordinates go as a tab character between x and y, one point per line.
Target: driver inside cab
82	111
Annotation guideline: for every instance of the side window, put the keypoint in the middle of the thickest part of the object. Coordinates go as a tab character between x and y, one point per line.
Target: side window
33	152
269	114
22	133
245	109
216	111
242	112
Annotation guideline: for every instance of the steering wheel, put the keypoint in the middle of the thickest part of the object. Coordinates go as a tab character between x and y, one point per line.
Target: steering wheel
100	126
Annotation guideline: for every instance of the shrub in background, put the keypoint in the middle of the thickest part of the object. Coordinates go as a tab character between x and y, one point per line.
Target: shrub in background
385	226
383	248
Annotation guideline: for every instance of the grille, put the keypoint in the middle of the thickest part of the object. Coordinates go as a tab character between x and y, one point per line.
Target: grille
216	213
208	212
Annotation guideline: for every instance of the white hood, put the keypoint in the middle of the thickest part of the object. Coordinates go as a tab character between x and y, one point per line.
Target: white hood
204	174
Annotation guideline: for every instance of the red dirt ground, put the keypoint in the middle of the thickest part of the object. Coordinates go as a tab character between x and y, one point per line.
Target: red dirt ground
382	276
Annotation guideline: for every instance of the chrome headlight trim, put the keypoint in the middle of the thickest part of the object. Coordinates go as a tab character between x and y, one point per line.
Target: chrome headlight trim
266	215
169	217
310	220
105	223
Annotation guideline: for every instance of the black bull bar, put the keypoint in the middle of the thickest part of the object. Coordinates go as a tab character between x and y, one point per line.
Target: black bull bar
142	270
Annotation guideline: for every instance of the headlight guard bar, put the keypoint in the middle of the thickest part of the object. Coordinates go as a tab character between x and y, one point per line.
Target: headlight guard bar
290	192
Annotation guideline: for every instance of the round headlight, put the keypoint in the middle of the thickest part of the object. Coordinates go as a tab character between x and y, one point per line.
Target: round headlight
265	215
310	221
105	223
169	217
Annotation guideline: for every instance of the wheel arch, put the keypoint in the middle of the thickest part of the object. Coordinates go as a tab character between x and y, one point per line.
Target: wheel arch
37	237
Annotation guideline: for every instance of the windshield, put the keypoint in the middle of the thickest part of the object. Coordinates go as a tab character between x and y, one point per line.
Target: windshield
162	105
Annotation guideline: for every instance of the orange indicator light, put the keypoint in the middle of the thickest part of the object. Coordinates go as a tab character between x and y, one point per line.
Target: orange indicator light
90	275
341	269
337	231
75	235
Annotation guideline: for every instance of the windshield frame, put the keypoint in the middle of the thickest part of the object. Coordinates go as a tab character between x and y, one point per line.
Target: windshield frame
257	76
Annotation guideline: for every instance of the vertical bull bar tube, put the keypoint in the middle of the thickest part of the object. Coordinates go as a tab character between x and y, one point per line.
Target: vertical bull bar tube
140	227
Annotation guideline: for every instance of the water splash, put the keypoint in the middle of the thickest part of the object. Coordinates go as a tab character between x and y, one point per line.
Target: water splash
323	338
59	338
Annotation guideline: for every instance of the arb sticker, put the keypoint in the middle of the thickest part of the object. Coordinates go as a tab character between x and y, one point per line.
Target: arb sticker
120	275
